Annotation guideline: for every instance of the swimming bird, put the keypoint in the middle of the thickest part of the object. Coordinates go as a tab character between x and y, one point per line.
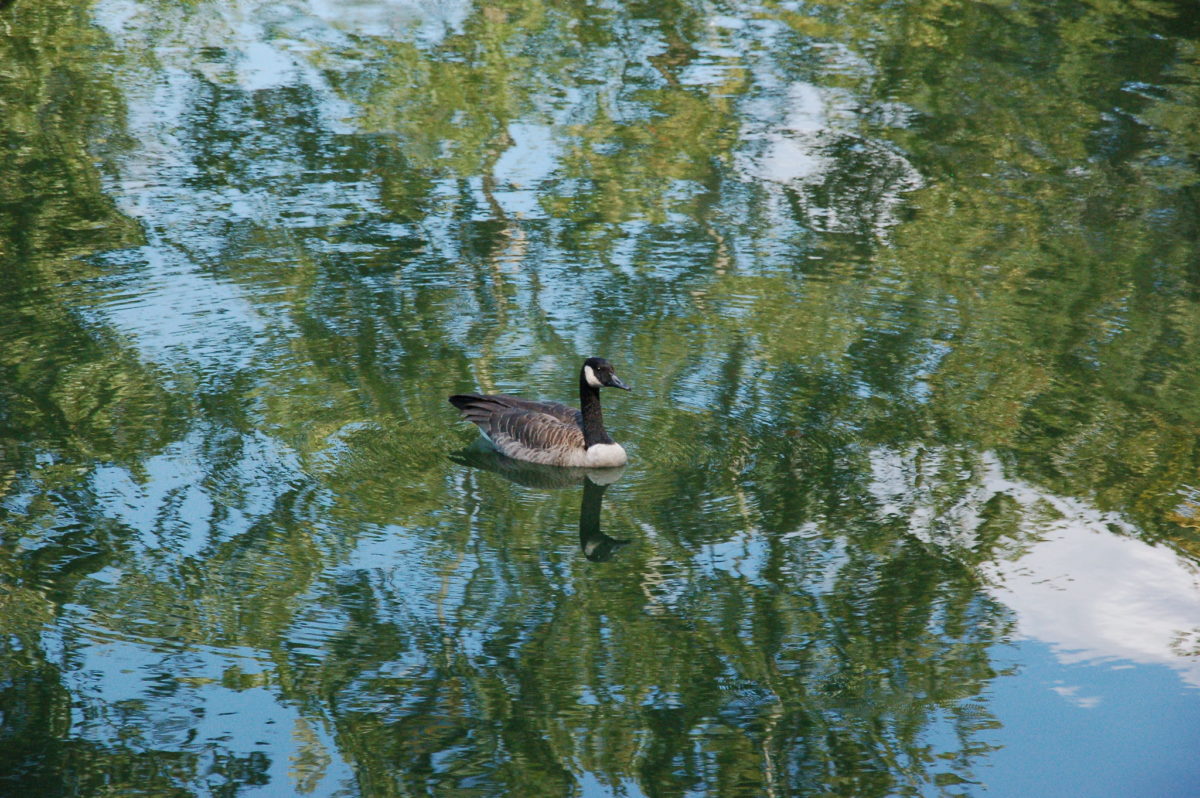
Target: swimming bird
549	432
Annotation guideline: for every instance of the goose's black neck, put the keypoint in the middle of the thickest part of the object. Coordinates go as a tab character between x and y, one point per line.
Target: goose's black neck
593	418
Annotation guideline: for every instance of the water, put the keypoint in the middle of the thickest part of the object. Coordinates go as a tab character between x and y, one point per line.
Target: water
908	297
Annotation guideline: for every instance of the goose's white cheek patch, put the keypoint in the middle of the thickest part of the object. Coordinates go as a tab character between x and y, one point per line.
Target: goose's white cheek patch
590	376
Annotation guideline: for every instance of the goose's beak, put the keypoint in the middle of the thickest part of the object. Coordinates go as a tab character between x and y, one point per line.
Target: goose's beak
616	383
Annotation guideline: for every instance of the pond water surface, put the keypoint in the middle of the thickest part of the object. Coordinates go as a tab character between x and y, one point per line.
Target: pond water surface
908	295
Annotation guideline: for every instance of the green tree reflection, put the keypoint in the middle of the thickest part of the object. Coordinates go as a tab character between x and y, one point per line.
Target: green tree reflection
988	256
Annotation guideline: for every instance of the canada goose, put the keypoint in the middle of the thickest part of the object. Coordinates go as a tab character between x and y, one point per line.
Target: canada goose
549	432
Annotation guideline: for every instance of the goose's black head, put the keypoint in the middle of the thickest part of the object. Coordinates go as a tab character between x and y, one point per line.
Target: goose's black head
598	372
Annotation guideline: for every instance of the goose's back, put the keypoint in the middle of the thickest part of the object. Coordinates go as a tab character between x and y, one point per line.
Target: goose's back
565	414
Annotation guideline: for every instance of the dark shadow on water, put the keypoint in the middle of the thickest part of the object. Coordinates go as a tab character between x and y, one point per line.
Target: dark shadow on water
595	545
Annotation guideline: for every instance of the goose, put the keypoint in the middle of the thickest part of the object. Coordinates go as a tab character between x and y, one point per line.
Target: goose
548	432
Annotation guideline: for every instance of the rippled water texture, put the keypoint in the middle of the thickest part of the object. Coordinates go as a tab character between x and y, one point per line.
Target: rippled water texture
908	294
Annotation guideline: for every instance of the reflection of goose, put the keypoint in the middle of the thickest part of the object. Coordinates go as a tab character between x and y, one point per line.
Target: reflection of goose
548	432
596	545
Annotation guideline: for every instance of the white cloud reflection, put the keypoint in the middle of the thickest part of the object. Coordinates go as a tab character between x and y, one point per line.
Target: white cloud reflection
1078	579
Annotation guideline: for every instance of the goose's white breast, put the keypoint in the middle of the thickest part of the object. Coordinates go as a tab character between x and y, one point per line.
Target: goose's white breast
605	455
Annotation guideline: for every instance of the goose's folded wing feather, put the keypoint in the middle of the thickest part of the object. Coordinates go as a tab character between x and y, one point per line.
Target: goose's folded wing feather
521	428
517	430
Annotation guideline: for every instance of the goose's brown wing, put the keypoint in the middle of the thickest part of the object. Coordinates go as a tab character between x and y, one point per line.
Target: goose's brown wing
533	431
536	437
